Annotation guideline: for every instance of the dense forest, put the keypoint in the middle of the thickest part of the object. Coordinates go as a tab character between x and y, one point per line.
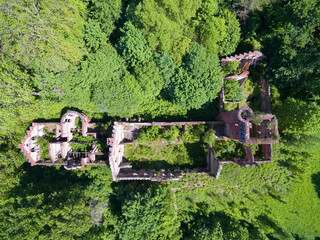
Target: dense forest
158	60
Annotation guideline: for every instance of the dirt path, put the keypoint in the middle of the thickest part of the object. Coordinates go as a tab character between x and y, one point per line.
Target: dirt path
265	95
175	199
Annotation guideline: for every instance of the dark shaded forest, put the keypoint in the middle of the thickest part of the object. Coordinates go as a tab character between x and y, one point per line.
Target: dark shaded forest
158	60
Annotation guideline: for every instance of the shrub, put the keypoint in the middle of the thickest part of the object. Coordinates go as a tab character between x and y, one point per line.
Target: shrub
231	68
232	90
209	137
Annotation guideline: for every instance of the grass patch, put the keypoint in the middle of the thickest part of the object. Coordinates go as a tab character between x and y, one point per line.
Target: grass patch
43	142
44	148
78	138
168	147
80	147
228	149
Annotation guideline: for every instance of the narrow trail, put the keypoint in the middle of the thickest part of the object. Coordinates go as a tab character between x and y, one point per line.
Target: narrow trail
175	199
265	95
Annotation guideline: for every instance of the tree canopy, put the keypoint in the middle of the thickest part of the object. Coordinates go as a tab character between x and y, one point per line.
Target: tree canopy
198	80
158	60
46	34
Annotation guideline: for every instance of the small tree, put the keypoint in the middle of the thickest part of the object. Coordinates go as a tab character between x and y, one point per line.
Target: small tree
209	137
232	90
198	81
298	117
231	68
133	46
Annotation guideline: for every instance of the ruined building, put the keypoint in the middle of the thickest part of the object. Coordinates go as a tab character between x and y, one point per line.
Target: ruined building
241	125
125	133
245	61
59	142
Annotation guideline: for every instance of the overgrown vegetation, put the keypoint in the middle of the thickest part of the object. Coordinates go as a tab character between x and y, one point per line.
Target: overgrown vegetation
232	90
49	136
231	68
159	60
80	147
78	138
228	149
168	147
44	147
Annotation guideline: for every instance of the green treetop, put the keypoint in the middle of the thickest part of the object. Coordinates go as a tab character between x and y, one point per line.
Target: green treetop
199	80
45	34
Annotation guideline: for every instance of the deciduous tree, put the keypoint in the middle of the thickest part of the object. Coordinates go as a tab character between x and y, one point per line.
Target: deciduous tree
45	34
199	80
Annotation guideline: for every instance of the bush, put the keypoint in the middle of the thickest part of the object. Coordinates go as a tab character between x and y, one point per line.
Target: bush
193	134
231	68
44	147
209	137
228	149
149	134
81	139
232	90
171	134
156	133
81	147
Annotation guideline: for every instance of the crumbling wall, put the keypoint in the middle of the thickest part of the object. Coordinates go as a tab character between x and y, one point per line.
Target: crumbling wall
124	171
61	145
253	56
214	165
29	145
116	150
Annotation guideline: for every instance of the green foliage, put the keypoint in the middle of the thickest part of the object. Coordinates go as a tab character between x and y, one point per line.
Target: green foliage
103	15
194	133
133	47
232	90
94	36
257	120
15	85
165	24
158	156
162	73
102	81
44	148
298	117
149	214
78	123
40	39
118	98
167	147
150	81
166	67
147	134
199	81
229	44
209	137
78	138
231	68
217	225
65	87
291	42
43	209
156	133
219	31
228	149
80	147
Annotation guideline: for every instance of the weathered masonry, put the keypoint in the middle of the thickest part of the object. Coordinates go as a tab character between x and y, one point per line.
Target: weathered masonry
240	125
125	133
59	144
60	139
